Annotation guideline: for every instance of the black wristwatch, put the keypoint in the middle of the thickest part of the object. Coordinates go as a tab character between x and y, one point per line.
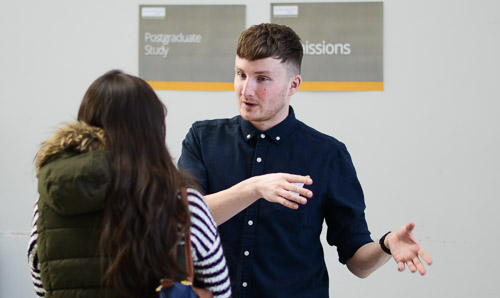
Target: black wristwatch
382	245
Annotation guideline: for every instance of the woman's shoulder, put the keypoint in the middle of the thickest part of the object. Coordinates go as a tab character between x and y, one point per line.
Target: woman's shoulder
200	213
194	196
71	139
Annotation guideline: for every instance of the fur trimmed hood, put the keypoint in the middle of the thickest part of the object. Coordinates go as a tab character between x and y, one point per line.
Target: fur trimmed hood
73	170
76	136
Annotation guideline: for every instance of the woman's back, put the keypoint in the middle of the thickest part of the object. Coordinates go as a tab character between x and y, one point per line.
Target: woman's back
109	216
73	183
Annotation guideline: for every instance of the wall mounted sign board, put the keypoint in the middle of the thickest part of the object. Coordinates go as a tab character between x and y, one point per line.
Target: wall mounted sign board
343	43
189	47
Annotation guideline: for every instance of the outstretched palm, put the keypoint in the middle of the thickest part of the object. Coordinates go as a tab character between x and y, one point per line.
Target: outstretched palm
407	250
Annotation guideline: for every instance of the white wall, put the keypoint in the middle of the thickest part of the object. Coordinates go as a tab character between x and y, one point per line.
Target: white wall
426	148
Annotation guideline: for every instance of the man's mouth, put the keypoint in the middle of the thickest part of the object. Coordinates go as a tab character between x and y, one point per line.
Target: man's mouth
249	103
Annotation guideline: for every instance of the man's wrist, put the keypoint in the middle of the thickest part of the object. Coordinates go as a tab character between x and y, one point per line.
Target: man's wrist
383	245
252	187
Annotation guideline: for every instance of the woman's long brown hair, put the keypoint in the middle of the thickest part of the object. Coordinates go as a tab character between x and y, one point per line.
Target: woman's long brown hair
141	220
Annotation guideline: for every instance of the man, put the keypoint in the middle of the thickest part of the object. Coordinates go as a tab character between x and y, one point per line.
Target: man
272	245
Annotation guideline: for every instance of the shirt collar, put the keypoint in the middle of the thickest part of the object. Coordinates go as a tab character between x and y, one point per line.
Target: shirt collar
276	133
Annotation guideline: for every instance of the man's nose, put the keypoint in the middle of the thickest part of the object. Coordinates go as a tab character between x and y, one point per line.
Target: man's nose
248	89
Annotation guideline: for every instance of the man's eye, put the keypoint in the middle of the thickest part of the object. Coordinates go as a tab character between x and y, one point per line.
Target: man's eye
263	79
241	75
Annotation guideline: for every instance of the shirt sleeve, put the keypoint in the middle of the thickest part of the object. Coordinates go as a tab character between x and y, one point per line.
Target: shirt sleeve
33	257
345	218
191	159
209	263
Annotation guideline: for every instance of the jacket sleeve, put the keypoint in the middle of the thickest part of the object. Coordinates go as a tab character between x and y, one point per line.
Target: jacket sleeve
209	263
33	257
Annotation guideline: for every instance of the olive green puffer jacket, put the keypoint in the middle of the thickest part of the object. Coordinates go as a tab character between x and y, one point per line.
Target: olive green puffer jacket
73	182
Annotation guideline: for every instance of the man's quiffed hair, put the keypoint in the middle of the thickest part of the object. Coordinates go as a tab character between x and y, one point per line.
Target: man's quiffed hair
271	40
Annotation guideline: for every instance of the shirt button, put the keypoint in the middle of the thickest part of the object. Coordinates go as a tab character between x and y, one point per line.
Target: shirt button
246	253
263	136
259	159
244	284
250	222
278	138
248	136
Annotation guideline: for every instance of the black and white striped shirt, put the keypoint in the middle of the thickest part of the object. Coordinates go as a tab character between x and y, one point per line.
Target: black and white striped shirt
208	258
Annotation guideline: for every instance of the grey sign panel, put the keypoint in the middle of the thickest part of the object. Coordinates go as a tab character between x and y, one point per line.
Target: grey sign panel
189	43
343	42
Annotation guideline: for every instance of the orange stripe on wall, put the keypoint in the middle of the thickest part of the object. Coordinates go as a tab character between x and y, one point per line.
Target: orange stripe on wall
306	86
196	86
342	86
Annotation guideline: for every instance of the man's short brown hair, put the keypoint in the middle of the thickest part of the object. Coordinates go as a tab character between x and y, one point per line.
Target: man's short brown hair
271	40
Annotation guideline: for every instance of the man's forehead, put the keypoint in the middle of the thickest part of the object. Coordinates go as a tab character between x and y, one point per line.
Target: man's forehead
259	66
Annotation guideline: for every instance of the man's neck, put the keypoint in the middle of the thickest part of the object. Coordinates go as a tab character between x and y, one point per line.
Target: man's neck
268	124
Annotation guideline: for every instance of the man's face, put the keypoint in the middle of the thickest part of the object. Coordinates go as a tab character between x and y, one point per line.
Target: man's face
264	88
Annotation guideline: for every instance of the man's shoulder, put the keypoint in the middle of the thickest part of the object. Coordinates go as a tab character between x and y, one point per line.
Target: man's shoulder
317	135
215	123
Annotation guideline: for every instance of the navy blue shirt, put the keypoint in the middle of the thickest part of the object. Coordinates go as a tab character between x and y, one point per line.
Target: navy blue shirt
271	250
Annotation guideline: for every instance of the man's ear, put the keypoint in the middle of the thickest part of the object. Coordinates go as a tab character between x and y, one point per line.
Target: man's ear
295	84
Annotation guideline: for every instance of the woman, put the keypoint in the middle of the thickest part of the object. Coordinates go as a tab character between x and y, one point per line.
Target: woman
110	214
